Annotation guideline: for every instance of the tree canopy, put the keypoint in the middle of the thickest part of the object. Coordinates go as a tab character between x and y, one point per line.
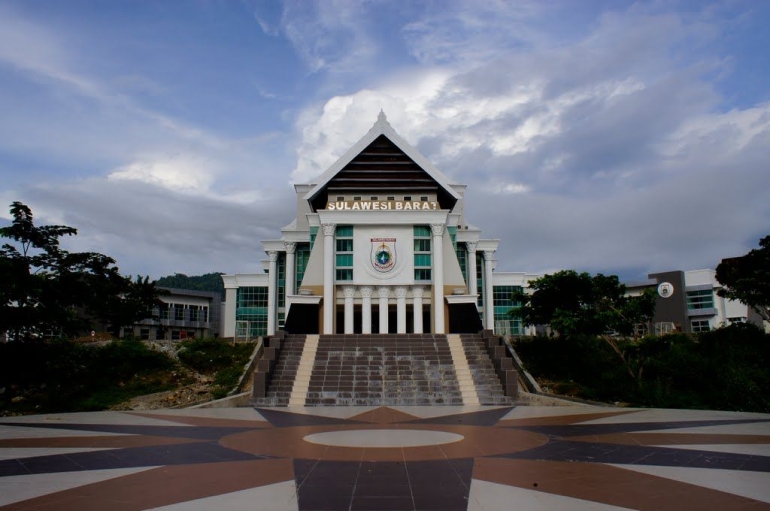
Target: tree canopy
207	282
747	278
48	291
575	303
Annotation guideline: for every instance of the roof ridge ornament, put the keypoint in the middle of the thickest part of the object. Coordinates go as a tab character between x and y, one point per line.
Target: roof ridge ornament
382	118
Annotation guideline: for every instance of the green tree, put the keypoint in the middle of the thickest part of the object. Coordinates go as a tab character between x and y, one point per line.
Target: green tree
577	304
48	291
747	278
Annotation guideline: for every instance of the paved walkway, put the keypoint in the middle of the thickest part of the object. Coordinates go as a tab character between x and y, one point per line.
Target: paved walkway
411	458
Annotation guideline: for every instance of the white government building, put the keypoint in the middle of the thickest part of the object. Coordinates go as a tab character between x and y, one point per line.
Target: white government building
380	244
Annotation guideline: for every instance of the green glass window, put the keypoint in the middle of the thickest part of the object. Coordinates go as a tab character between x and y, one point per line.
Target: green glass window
344	260
703	299
251	309
503	303
302	258
281	278
422	260
422	253
422	274
344	245
344	255
480	278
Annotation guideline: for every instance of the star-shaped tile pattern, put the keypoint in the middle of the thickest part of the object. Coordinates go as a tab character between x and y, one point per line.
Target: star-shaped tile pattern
410	458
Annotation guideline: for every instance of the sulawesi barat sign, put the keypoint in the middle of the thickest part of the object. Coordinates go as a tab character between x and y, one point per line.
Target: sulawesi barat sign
367	205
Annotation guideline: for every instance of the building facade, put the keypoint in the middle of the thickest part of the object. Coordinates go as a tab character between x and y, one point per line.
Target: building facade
687	301
379	244
184	314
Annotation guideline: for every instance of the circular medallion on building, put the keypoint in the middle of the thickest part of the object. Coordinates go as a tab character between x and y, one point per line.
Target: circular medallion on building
665	289
383	254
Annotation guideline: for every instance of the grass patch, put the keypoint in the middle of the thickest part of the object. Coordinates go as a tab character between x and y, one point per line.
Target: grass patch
222	360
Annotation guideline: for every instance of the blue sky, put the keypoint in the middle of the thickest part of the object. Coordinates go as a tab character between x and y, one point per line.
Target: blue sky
621	137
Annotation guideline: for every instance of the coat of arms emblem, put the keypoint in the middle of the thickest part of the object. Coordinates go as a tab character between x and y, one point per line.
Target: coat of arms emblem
383	254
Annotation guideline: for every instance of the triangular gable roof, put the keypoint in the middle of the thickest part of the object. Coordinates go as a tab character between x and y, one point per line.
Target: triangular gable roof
383	128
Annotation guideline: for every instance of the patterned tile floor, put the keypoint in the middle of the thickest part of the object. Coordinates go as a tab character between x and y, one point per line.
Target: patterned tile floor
387	458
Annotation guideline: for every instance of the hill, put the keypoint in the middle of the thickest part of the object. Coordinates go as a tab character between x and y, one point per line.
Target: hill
207	282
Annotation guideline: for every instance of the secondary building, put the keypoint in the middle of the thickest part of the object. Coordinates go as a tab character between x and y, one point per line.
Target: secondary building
687	301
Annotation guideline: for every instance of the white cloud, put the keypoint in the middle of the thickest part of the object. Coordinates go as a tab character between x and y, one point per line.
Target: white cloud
181	173
608	153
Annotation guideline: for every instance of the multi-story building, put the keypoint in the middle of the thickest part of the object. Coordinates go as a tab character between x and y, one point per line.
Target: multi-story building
687	301
379	244
184	314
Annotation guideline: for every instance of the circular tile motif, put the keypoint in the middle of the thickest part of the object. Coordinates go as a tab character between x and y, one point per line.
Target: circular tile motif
383	438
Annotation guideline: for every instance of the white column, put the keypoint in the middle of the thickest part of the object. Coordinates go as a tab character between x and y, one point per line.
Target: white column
471	269
290	269
489	306
366	309
400	309
350	292
272	298
438	278
383	292
329	302
417	297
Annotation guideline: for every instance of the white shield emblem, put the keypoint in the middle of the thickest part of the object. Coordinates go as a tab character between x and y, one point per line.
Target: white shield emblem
383	254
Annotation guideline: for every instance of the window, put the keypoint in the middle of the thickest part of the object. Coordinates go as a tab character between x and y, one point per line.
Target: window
703	299
407	197
144	334
340	198
422	254
503	303
480	278
424	199
375	197
344	253
204	314
160	334
301	260
178	312
391	197
176	335
164	311
700	325
250	311
357	198
194	312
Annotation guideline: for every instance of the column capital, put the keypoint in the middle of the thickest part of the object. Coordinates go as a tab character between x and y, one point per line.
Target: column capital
437	229
488	255
273	255
329	229
350	291
471	246
400	291
290	246
417	291
366	291
383	291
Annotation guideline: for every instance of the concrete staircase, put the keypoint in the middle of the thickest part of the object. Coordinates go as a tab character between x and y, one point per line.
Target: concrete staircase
374	370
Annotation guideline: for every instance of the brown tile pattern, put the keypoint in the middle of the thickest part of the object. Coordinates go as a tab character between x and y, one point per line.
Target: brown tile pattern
608	485
561	455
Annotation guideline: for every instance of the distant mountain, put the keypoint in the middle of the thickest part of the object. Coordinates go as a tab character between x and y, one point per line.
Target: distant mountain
207	282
